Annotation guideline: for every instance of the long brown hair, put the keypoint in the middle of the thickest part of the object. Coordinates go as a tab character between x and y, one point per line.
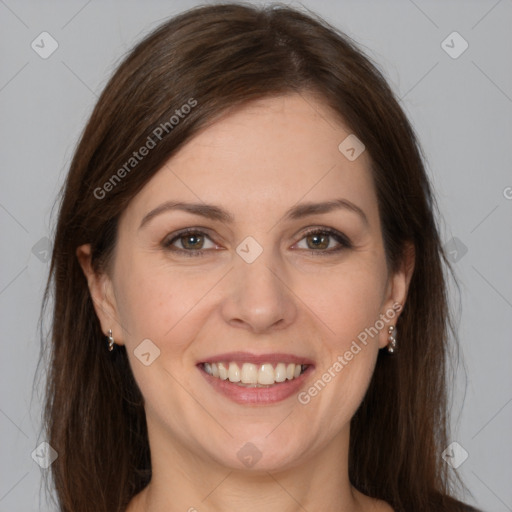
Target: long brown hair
223	56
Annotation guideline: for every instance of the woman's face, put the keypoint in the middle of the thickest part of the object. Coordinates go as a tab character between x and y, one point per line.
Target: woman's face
277	269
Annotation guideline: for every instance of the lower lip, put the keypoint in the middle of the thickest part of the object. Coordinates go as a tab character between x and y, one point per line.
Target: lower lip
257	396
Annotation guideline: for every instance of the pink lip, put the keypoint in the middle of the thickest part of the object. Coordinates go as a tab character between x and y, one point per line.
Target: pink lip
247	357
257	396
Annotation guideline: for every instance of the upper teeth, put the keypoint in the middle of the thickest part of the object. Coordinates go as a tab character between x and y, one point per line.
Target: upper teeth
248	373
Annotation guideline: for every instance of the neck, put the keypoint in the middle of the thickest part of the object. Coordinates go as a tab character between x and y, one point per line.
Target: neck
183	481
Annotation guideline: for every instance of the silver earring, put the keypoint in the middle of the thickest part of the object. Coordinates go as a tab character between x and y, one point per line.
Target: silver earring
392	340
110	340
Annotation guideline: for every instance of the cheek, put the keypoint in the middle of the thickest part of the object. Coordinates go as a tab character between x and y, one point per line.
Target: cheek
349	308
162	306
146	305
157	303
347	301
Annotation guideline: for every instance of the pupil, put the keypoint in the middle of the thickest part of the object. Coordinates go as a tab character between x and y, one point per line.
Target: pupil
192	241
320	241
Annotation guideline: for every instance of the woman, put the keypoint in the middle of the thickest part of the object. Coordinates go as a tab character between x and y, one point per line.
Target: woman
249	300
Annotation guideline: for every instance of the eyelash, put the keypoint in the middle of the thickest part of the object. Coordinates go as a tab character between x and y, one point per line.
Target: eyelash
339	237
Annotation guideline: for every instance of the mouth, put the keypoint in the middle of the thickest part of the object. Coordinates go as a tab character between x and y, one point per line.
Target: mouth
252	375
256	379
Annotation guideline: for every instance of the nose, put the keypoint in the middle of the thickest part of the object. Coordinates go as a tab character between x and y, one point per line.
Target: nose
258	297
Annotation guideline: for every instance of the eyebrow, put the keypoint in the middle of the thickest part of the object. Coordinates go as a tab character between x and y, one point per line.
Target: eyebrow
217	213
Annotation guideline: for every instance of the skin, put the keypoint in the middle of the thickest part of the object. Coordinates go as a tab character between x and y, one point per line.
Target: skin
256	163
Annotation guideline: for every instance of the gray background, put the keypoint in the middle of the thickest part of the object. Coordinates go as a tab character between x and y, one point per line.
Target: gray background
461	108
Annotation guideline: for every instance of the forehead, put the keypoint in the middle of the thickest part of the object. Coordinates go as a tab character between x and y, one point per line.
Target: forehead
266	156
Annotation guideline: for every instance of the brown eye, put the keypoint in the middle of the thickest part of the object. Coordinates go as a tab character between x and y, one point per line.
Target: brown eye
189	242
324	241
318	241
192	242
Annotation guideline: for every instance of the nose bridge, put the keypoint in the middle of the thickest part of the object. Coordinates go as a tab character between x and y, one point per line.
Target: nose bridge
257	296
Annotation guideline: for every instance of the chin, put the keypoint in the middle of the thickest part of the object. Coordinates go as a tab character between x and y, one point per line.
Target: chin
257	454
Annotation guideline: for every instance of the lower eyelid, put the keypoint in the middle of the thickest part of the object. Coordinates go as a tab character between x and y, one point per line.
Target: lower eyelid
343	243
206	238
169	241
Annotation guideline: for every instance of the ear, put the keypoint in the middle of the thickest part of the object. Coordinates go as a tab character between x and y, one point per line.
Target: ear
102	294
396	295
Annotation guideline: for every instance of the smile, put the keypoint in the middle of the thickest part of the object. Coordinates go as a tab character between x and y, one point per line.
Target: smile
256	379
253	375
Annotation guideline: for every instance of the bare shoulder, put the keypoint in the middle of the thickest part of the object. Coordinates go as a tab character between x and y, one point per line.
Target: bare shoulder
384	507
368	504
136	504
376	505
